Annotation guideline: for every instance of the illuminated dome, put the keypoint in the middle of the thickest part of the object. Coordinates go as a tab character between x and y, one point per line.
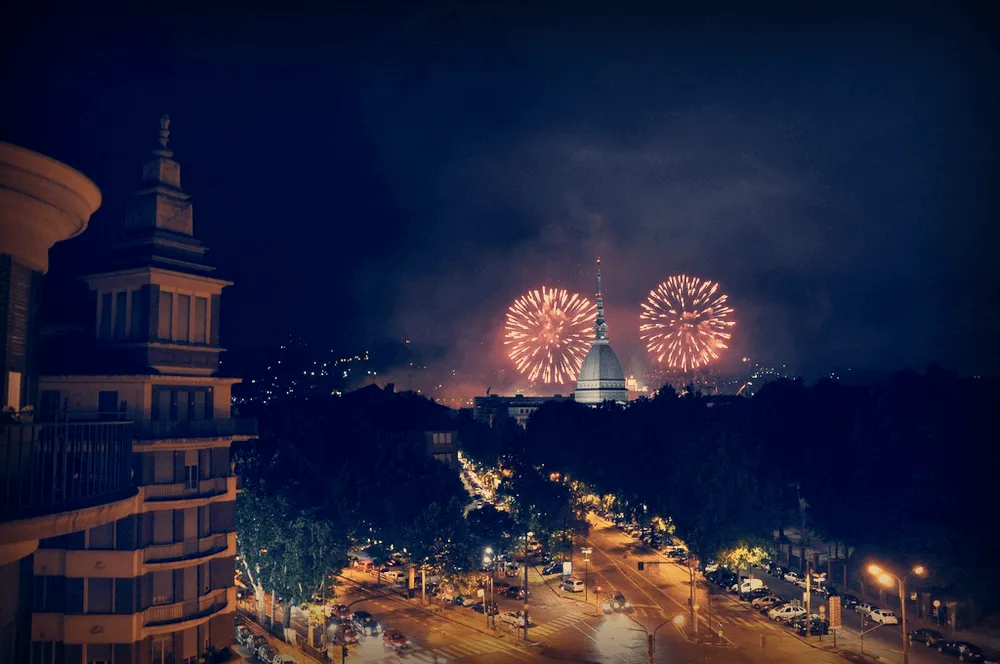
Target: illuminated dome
601	377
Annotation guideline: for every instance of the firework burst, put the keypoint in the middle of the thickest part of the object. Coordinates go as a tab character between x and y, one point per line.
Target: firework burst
685	322
549	333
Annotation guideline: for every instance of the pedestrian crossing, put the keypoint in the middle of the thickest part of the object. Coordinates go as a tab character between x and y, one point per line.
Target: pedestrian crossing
465	650
552	626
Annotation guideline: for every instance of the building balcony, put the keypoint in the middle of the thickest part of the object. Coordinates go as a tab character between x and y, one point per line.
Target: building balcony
206	488
186	550
54	467
178	612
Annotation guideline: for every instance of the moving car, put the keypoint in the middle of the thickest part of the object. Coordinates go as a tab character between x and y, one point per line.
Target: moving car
516	592
791	577
393	638
515	618
573	585
865	608
884	616
345	635
479	607
928	637
619	603
966	652
365	623
848	601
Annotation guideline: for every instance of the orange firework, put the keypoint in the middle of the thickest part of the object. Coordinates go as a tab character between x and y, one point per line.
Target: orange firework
686	322
549	333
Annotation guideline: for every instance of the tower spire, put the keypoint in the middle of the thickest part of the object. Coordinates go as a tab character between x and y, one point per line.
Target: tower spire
600	326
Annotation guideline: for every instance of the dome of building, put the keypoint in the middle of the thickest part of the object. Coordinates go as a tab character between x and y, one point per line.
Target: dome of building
601	377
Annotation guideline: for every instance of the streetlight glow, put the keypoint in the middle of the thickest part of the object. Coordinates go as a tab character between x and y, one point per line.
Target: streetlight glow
918	570
679	620
875	569
885	579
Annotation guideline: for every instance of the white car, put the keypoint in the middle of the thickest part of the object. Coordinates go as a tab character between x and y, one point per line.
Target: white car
884	616
573	585
792	577
514	618
785	613
767	600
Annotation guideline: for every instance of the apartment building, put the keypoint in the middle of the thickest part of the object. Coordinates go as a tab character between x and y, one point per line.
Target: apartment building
153	582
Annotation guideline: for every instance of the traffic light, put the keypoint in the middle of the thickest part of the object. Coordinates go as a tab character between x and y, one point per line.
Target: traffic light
642	565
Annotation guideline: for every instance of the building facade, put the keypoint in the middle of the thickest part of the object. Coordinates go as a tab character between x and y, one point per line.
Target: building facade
518	407
142	408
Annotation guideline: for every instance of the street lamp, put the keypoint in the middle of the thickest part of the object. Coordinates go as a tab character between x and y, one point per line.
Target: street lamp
886	578
586	573
489	560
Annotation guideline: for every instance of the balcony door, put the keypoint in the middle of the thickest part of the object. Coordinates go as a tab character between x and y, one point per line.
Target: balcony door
107	404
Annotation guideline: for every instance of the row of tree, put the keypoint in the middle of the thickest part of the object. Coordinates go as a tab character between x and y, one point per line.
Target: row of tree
898	472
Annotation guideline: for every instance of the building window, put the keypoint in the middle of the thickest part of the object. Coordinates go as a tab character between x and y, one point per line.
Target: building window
183	318
104	331
163	587
138	313
163	650
200	320
121	315
166	316
191	477
98	653
102	537
100	596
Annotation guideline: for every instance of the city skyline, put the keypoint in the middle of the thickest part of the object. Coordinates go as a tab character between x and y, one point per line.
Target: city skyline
366	208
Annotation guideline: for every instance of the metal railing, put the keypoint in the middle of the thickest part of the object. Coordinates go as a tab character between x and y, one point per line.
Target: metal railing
60	466
159	553
186	610
156	429
147	429
211	486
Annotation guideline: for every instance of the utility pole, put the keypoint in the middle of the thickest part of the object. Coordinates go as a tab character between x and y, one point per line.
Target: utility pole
808	601
902	611
527	536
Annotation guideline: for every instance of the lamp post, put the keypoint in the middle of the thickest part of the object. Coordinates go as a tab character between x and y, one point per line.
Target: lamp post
488	600
586	573
886	578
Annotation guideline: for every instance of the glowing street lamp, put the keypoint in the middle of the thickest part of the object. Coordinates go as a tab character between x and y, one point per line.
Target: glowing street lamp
886	578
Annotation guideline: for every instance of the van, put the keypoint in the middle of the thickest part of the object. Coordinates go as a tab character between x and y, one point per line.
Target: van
750	584
395	575
573	585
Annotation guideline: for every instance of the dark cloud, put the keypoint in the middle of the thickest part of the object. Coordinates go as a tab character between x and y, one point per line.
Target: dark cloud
373	179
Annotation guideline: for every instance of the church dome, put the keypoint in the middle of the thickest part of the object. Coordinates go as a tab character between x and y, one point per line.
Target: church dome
601	364
601	377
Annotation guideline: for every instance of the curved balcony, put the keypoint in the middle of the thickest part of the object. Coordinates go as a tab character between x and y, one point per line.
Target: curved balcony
53	467
186	550
206	488
170	614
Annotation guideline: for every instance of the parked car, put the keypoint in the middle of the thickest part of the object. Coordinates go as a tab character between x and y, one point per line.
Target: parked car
884	616
285	659
757	592
243	635
553	568
256	642
479	607
791	577
573	585
966	652
848	601
785	612
515	618
393	638
464	600
500	586
813	627
928	637
766	600
865	608
365	623
267	653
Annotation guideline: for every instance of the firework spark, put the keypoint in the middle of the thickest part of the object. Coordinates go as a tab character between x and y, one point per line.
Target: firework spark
686	322
549	333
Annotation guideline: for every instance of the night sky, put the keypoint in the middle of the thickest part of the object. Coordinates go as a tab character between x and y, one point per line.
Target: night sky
369	177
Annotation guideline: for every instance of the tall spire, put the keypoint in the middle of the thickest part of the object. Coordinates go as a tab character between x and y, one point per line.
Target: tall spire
600	326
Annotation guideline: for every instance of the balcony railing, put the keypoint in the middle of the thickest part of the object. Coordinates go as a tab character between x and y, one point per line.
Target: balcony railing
160	553
146	429
186	610
211	486
52	467
157	429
